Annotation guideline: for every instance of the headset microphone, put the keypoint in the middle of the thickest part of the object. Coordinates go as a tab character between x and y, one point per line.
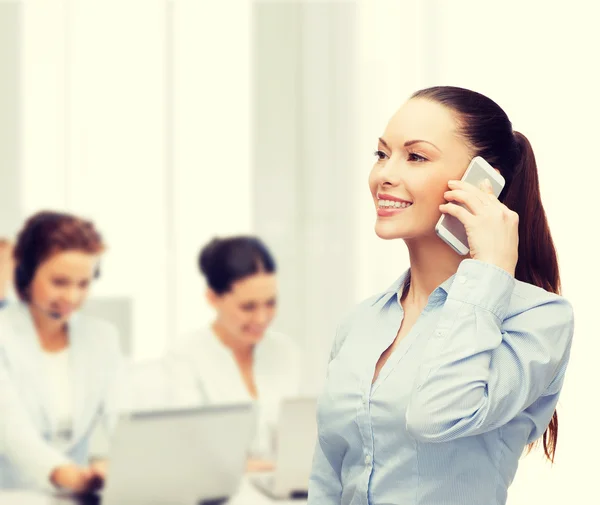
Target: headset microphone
50	313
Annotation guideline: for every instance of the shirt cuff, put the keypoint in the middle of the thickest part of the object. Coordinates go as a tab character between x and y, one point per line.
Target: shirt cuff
483	285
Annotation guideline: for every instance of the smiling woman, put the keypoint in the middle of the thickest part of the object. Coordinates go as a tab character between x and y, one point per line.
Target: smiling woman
238	358
58	369
437	385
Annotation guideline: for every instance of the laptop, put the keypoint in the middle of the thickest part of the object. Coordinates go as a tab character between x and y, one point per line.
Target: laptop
179	457
295	443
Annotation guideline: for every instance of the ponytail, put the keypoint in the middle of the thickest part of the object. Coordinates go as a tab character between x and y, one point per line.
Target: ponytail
538	263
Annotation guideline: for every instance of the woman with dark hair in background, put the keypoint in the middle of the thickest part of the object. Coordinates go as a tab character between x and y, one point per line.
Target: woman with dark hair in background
437	385
58	369
237	358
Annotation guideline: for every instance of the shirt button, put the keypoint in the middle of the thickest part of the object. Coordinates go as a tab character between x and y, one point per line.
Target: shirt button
439	333
367	459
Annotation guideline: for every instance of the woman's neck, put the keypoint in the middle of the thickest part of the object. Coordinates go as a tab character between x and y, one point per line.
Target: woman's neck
431	263
52	335
239	349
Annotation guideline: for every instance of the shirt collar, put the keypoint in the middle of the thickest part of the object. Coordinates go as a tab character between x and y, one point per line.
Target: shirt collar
398	285
447	284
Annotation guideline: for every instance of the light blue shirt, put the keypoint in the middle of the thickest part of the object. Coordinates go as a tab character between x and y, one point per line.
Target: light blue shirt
475	380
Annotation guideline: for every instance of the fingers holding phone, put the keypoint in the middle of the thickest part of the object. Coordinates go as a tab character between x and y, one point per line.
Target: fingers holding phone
491	228
475	222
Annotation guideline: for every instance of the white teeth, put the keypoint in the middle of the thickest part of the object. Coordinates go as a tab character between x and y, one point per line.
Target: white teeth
390	203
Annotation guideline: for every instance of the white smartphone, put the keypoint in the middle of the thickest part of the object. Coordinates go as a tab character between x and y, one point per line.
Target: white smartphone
450	229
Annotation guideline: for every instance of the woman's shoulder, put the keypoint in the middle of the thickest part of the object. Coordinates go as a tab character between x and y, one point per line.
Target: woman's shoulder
198	337
278	339
194	345
526	296
10	308
533	308
12	316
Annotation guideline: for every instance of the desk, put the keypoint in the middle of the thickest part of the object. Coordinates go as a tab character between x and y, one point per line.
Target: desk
248	495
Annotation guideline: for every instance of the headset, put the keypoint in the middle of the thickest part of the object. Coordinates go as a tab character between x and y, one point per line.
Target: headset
28	261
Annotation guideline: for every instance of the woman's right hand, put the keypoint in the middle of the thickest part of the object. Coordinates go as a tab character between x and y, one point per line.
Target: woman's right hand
76	479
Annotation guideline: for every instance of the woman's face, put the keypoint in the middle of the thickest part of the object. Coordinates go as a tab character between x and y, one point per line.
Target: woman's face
61	283
419	152
247	310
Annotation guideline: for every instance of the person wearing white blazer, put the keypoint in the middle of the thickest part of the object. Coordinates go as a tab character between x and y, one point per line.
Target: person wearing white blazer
61	372
238	358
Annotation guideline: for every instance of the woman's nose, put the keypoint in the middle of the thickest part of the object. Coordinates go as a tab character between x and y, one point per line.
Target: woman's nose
390	174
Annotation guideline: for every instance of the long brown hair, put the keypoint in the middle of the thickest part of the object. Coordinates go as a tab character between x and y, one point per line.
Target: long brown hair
489	133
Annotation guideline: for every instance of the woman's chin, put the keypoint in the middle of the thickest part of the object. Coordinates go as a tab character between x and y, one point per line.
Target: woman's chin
388	231
253	338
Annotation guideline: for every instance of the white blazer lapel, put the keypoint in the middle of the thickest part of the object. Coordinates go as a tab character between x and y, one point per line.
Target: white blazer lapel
28	341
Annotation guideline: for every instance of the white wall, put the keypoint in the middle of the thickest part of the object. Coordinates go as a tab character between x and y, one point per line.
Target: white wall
43	91
211	140
133	119
10	105
303	133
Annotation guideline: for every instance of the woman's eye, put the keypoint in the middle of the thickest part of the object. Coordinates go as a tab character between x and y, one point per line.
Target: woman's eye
416	157
380	155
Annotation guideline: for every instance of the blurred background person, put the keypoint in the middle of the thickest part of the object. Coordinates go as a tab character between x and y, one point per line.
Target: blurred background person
238	358
58	368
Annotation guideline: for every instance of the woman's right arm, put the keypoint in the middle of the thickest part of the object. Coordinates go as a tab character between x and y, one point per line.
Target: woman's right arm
25	448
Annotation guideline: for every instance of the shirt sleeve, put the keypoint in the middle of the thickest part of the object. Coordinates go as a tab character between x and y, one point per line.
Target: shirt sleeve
484	366
20	441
